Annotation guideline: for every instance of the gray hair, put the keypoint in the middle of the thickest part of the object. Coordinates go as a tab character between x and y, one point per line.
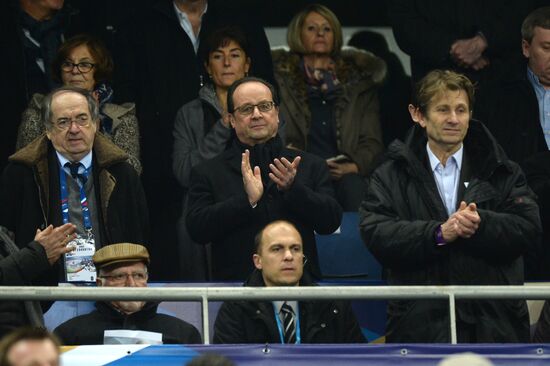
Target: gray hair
46	106
537	18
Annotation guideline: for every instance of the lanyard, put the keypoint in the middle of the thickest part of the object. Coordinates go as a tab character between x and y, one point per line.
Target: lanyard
280	326
83	199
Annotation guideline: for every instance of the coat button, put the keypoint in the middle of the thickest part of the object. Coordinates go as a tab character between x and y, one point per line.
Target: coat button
323	325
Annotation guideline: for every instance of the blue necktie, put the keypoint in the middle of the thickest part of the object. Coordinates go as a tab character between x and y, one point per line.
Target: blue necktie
74	168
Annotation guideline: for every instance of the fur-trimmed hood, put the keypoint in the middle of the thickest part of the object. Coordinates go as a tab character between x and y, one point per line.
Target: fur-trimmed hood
352	65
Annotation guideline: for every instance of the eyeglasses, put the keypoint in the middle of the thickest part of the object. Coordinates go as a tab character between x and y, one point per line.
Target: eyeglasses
83	67
119	278
248	109
82	120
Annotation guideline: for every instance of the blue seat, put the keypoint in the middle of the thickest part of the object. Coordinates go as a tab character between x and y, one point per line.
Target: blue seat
344	255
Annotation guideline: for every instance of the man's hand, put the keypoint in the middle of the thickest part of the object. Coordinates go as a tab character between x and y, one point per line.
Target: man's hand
283	172
55	240
337	170
463	223
481	63
466	52
252	180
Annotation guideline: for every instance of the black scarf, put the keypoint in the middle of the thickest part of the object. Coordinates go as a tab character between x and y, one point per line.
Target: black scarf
262	155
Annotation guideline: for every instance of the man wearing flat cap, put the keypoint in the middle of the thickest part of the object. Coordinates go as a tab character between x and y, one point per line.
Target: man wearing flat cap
125	265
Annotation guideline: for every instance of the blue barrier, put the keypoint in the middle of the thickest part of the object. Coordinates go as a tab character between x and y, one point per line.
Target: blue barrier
306	355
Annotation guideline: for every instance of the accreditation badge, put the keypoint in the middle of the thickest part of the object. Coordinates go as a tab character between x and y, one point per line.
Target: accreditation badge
79	266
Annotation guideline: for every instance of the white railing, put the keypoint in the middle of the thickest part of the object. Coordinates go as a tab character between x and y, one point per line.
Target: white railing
206	294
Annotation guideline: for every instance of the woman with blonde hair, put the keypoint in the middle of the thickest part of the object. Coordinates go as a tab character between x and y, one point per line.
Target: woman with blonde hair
329	99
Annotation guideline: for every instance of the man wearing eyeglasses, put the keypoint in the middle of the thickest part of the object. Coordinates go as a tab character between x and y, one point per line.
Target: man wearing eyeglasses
256	181
123	322
73	174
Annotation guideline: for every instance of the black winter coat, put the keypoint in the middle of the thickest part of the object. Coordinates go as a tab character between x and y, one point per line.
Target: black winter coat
89	329
401	212
426	30
254	322
219	211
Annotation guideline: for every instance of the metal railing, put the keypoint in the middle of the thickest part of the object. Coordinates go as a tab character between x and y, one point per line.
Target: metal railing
207	294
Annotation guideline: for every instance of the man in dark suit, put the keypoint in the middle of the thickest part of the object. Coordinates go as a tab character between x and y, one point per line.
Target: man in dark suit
257	180
279	261
161	72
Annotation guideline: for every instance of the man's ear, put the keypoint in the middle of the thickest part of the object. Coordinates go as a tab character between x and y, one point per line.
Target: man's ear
416	115
231	119
525	48
257	261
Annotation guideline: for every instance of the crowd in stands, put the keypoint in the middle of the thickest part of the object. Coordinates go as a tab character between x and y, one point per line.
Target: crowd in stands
172	143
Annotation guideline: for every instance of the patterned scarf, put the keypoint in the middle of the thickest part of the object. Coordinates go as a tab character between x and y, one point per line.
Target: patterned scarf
104	95
321	82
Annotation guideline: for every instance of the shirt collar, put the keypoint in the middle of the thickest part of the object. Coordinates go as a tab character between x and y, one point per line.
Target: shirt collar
456	157
534	79
86	160
279	304
183	15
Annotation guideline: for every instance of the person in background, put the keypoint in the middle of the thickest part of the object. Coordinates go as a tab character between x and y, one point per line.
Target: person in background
83	61
124	265
202	129
279	261
524	129
163	70
329	100
476	38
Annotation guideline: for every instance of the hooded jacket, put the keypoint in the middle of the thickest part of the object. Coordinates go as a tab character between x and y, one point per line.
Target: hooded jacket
401	212
356	109
254	321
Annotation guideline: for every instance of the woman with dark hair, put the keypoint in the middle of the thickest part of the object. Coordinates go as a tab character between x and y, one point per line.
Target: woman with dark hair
202	129
83	61
329	100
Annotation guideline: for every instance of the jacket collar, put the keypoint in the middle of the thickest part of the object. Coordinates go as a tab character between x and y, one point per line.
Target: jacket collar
486	155
105	152
148	311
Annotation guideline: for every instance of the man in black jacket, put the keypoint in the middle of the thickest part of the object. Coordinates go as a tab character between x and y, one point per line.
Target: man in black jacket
515	108
20	267
125	265
279	261
161	84
256	181
448	208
